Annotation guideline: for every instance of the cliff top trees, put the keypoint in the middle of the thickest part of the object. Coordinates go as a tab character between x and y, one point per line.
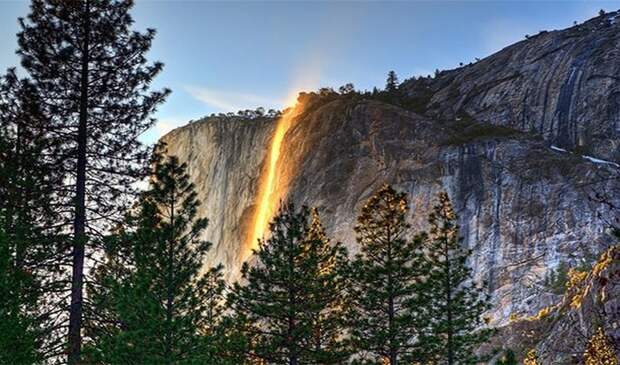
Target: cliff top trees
151	304
391	84
387	285
91	73
293	297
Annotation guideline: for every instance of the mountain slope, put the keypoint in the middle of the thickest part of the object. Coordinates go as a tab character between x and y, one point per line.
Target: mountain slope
505	137
563	85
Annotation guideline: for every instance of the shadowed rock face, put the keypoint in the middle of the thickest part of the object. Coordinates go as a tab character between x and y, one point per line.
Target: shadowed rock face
523	206
563	85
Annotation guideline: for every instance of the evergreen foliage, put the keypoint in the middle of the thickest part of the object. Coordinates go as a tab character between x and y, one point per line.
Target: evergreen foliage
69	159
508	358
151	302
391	84
89	67
558	278
19	336
457	305
388	289
29	244
291	301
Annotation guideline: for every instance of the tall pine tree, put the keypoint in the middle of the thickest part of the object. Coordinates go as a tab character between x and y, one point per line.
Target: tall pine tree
292	297
30	257
152	302
328	301
457	304
387	279
90	69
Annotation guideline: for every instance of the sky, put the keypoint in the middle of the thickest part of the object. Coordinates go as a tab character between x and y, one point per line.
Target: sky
226	56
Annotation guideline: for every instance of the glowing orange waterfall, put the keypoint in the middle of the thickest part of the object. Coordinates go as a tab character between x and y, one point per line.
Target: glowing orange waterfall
269	197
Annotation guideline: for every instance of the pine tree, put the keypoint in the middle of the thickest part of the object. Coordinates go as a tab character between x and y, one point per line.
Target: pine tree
229	344
457	304
152	303
19	336
391	84
293	295
327	301
90	70
387	278
29	254
508	358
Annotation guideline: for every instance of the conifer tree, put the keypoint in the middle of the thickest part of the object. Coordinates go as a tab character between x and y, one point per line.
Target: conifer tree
387	283
19	335
327	302
508	358
229	343
293	296
457	305
90	69
29	254
391	84
152	303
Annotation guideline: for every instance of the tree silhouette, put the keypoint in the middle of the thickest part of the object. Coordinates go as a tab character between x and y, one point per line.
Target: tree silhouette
30	254
90	70
391	84
151	304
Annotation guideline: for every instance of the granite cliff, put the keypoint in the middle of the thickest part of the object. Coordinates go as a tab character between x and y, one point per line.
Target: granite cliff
525	141
563	85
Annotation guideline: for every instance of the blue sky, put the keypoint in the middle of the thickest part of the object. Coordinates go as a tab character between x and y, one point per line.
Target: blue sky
224	56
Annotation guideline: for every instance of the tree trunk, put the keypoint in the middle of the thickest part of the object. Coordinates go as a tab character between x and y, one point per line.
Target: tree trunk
169	286
293	356
393	353
79	224
449	304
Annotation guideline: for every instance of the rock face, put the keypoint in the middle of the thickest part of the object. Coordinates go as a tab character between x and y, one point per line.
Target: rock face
560	334
224	157
563	85
504	137
592	305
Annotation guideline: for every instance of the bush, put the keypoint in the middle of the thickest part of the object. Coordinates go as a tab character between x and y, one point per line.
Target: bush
556	281
507	358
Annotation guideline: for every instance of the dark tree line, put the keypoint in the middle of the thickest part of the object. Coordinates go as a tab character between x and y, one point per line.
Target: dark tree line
151	300
31	243
89	70
70	140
